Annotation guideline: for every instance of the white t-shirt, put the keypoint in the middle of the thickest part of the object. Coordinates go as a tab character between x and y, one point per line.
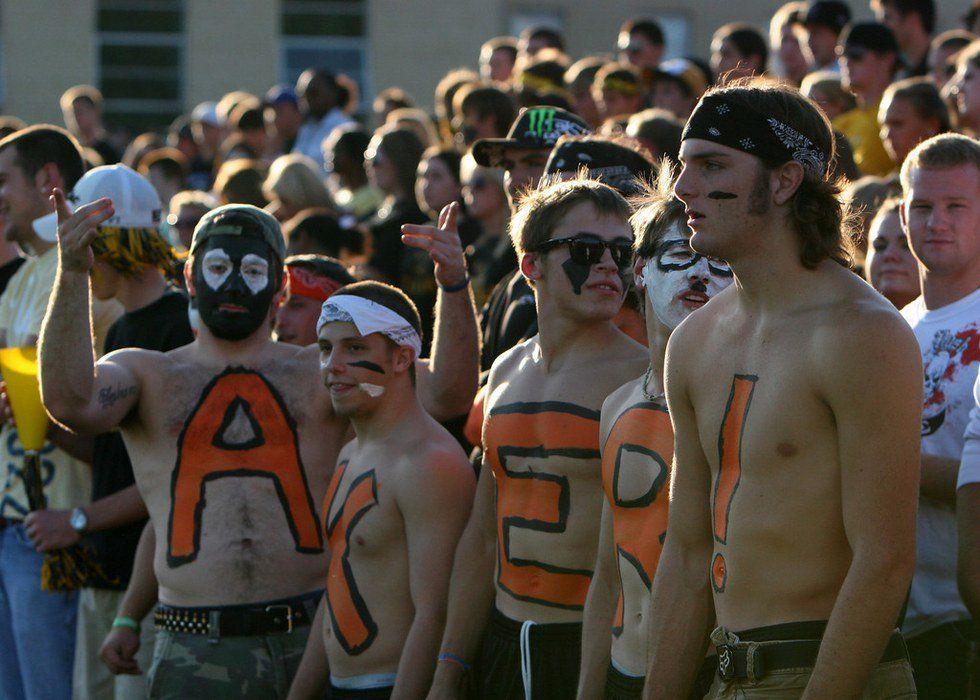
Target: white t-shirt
970	462
949	338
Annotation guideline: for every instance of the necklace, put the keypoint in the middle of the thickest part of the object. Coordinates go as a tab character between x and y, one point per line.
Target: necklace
646	380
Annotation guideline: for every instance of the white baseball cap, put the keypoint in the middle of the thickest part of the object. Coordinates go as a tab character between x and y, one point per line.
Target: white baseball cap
136	202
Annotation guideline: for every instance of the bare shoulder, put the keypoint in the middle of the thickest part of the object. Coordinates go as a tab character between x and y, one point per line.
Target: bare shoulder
511	360
435	471
140	362
618	401
863	341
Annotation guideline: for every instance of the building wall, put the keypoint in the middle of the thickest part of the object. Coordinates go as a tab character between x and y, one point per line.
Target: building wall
231	45
47	47
235	44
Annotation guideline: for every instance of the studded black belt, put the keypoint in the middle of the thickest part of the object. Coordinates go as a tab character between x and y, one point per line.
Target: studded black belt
254	619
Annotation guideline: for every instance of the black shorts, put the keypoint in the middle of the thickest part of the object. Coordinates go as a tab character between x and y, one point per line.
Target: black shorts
555	655
335	693
619	686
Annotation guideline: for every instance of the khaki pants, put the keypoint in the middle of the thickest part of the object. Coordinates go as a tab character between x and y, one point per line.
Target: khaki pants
92	680
889	680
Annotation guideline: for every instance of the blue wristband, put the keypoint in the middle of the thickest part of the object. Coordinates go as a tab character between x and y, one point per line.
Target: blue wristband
458	287
454	659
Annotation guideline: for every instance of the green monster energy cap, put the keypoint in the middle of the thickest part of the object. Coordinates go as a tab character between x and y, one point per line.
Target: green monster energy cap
536	129
239	220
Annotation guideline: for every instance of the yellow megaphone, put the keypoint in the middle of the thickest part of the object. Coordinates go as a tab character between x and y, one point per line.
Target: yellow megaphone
19	369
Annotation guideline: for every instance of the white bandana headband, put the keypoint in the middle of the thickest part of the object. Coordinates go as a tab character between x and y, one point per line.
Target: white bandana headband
369	317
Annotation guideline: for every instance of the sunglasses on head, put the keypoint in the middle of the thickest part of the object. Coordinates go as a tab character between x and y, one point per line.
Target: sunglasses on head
588	249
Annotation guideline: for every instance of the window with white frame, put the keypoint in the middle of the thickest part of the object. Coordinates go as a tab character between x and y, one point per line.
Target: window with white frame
330	34
141	61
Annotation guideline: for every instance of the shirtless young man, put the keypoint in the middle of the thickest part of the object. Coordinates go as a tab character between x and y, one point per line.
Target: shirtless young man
395	508
792	509
528	550
232	440
637	447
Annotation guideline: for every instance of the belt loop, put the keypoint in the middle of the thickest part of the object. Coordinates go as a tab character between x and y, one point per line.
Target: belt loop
214	626
750	658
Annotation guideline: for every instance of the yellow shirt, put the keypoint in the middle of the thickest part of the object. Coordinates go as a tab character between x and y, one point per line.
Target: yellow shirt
67	481
860	126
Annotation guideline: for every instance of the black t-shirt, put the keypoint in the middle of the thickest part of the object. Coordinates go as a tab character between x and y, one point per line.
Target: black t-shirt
509	317
162	325
7	271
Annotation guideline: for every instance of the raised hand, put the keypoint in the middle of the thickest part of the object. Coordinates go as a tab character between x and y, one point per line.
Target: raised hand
442	244
77	230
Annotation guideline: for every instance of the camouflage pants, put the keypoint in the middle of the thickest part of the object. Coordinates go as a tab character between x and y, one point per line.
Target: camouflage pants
194	666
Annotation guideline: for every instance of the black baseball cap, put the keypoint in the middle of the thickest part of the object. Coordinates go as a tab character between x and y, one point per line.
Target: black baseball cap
535	129
872	36
828	13
620	167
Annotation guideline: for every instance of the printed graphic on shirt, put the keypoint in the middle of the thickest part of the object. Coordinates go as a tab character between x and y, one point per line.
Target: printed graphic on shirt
635	471
240	428
949	354
520	438
350	618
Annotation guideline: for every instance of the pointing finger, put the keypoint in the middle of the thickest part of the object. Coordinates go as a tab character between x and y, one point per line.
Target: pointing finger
60	204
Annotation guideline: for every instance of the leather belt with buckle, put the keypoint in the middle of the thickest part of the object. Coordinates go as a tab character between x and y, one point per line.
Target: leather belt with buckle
280	617
753	660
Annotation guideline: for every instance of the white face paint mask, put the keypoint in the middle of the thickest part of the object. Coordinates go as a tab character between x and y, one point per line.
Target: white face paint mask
216	266
255	272
678	281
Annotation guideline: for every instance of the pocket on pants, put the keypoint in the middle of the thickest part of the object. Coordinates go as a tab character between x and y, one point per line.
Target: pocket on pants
161	649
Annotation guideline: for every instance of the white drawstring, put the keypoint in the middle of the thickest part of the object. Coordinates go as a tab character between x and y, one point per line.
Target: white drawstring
526	657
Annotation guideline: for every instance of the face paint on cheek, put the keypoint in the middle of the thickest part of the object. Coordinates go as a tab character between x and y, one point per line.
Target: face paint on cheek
372	390
718	194
663	290
367	365
577	274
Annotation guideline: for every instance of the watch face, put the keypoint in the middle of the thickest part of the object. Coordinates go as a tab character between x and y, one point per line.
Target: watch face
78	519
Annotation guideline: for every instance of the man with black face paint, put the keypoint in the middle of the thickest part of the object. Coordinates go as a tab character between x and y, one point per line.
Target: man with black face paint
524	562
637	446
232	440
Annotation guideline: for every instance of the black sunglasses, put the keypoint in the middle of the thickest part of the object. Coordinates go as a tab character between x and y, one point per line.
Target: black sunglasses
588	250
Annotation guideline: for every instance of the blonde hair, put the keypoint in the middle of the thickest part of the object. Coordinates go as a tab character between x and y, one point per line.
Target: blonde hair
296	177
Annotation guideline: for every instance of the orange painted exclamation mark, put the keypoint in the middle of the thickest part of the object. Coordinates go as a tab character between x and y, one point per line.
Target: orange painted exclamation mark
730	471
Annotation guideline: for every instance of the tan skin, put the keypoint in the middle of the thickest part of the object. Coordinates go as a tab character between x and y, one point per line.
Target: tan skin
613	576
829	473
446	383
244	547
400	551
576	337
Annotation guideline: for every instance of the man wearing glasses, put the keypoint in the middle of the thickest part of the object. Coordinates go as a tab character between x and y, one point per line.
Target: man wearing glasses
525	560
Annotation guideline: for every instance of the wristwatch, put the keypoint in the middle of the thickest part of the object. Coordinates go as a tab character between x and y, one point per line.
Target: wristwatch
78	521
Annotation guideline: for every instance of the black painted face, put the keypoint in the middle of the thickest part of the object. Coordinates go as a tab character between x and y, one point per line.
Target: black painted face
235	278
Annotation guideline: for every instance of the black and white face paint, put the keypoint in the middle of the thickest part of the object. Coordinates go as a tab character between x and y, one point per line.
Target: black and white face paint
679	281
235	284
